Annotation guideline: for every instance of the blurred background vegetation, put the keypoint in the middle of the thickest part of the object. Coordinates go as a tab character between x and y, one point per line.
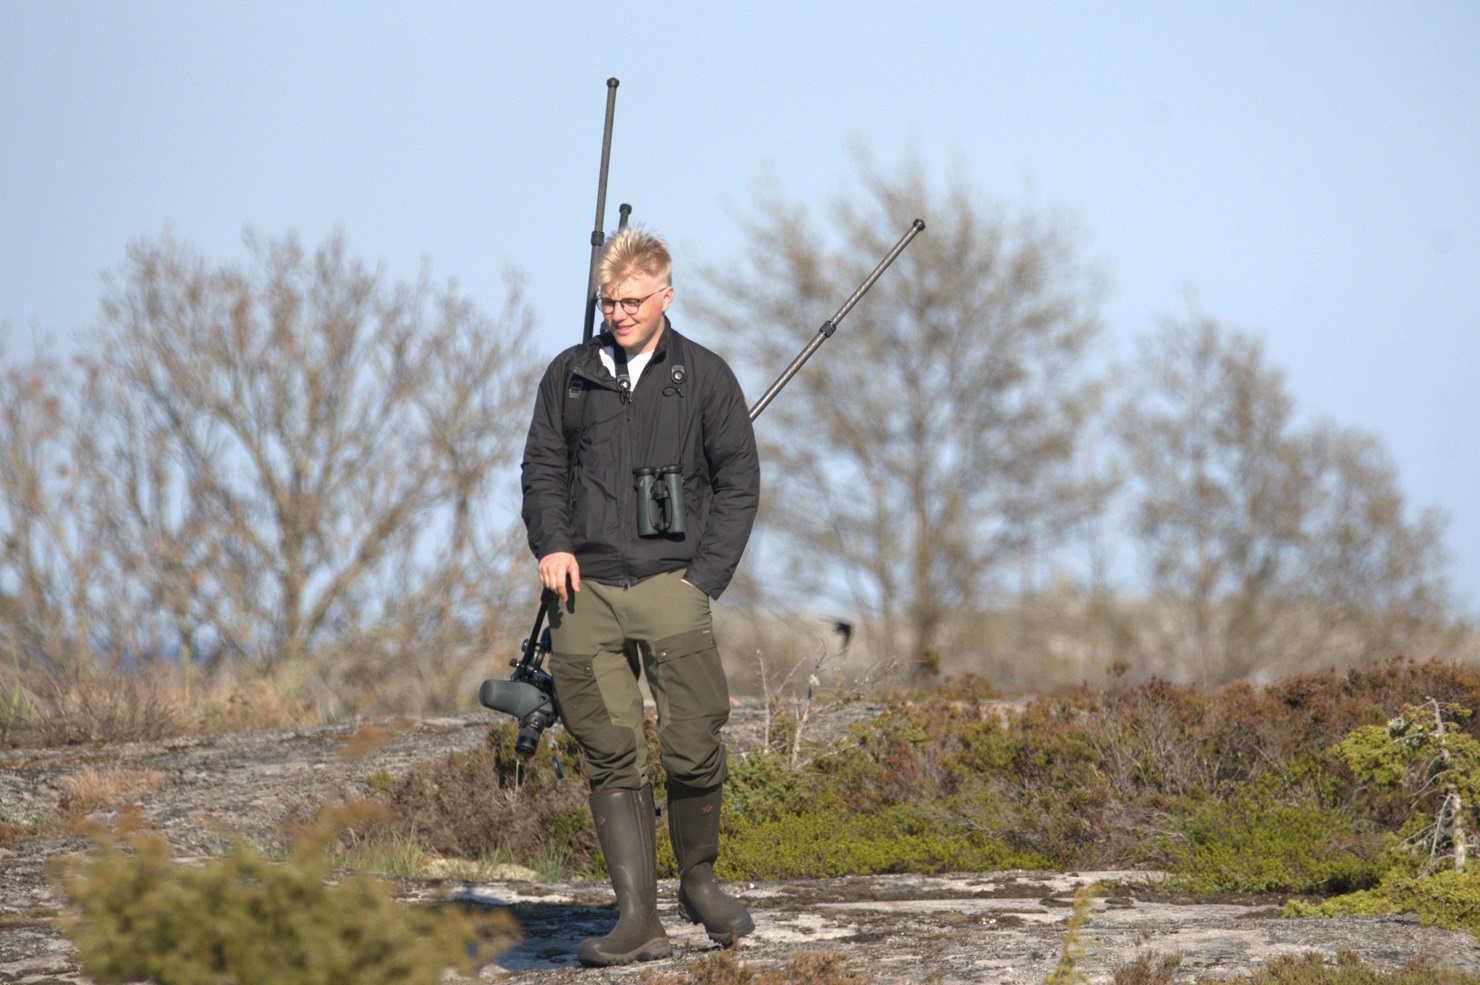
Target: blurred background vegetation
286	489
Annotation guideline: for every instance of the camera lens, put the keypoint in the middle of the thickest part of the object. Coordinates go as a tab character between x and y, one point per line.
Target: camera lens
527	741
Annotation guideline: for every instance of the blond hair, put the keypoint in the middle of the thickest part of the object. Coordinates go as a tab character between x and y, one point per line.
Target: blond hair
631	251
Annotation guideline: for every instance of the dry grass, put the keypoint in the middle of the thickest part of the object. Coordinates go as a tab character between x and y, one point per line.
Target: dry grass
12	832
1312	969
88	789
370	738
89	705
84	706
803	968
1049	643
1148	967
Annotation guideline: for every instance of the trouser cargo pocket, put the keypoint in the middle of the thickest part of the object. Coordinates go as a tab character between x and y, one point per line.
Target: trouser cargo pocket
694	704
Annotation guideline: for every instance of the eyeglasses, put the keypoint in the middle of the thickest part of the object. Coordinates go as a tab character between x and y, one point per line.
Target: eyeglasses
629	305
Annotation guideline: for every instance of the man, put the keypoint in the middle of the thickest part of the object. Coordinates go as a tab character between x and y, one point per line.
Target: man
635	559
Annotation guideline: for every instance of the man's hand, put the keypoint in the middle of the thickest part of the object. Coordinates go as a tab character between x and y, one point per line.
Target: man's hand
558	569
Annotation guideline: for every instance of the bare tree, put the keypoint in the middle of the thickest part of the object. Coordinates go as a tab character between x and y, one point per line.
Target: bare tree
53	582
1272	544
1376	576
295	462
932	446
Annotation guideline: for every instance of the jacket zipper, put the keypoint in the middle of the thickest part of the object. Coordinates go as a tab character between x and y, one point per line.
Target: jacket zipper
624	391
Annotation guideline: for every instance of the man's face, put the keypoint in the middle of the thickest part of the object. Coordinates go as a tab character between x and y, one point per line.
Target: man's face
636	331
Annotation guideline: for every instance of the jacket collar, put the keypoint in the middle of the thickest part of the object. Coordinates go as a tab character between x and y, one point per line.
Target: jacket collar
606	338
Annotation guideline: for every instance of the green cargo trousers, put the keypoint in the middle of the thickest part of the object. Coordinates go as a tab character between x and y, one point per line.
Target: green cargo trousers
600	639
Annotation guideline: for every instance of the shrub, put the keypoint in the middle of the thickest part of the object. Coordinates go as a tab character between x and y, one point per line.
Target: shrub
1311	969
760	786
1245	780
1147	968
835	841
1252	844
1447	899
243	920
80	705
1088	779
1314	711
89	705
1423	753
489	801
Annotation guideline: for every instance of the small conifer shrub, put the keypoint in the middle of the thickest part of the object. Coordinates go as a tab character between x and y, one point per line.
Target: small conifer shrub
244	920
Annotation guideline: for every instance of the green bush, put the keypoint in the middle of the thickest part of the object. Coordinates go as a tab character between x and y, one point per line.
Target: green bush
1423	753
760	786
1088	778
1255	845
1246	780
1447	899
243	920
833	841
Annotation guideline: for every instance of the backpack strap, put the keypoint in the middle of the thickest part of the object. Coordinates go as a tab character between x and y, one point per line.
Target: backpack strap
624	379
572	410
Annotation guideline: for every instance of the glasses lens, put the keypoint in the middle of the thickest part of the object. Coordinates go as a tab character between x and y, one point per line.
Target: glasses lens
629	305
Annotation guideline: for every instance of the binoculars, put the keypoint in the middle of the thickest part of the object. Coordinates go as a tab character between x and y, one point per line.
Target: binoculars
660	506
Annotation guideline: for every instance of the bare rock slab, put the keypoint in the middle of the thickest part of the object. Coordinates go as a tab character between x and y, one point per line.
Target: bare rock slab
1006	927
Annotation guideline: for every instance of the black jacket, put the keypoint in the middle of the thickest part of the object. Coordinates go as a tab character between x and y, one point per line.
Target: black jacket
587	436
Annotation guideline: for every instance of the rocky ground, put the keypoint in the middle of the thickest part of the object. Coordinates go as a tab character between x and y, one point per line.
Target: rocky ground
981	927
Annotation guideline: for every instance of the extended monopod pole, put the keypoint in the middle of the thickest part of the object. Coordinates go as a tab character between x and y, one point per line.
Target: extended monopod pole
828	327
598	236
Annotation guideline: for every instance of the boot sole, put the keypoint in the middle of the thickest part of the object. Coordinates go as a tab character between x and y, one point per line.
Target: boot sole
654	950
722	939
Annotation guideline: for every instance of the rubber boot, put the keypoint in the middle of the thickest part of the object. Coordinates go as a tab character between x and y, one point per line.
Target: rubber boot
693	826
624	826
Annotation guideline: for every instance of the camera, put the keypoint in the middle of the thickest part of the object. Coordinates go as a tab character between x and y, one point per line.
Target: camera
660	504
529	696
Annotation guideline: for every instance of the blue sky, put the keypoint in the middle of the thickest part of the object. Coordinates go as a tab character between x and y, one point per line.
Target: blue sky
1307	172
